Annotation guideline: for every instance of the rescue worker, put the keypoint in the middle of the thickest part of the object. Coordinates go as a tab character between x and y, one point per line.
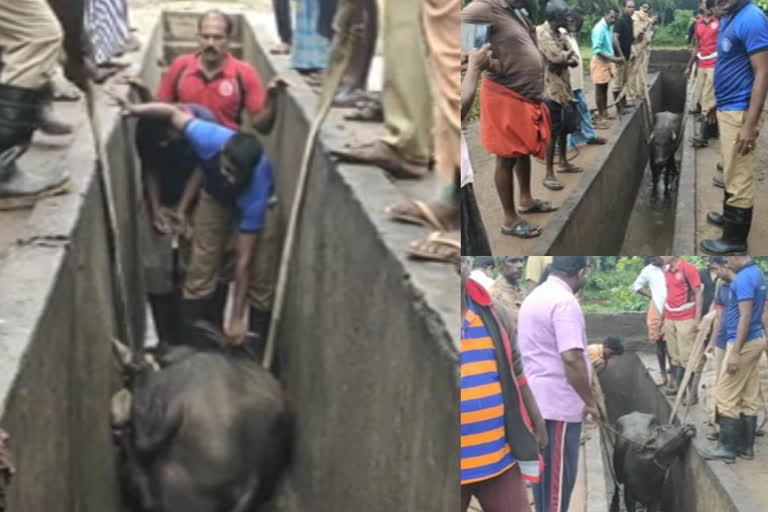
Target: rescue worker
238	189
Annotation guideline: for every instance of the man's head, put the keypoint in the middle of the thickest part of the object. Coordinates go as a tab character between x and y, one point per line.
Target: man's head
571	269
654	260
645	7
575	20
736	263
709	9
612	346
656	18
629	7
557	13
238	159
213	31
610	15
511	267
668	260
484	263
717	265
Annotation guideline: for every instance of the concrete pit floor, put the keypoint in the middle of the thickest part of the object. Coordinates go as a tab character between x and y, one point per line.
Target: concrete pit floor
710	197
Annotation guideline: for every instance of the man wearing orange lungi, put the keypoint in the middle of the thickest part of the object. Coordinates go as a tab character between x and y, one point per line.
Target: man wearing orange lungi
514	122
652	284
602	67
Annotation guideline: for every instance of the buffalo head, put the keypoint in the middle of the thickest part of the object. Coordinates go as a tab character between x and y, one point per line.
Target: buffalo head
671	441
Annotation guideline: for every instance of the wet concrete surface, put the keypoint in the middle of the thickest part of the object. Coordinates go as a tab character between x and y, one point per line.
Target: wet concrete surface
651	224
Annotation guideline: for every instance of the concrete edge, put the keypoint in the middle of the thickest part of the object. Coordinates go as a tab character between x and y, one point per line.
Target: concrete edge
563	216
597	487
684	237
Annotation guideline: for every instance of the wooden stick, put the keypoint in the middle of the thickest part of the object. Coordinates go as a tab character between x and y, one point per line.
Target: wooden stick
344	40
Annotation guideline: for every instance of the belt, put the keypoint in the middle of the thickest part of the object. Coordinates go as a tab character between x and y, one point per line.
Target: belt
684	307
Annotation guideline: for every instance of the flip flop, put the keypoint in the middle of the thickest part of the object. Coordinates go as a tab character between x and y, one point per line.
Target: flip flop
570	168
436	241
596	141
523	230
366	114
426	218
539	206
552	185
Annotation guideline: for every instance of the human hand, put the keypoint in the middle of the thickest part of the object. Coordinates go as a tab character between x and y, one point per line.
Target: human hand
277	83
542	438
236	329
733	362
745	139
480	58
590	412
161	221
712	116
710	349
686	73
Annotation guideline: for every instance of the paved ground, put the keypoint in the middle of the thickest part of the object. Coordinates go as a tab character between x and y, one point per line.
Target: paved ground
488	199
709	197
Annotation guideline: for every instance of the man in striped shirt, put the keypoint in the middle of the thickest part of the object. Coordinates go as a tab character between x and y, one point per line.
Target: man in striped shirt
502	430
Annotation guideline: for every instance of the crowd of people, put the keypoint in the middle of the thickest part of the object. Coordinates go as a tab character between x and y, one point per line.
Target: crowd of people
535	73
528	373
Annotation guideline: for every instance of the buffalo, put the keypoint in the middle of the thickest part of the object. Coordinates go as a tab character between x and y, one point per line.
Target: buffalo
664	141
644	451
200	430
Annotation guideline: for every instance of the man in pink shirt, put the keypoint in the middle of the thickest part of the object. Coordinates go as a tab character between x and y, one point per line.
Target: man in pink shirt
553	344
682	314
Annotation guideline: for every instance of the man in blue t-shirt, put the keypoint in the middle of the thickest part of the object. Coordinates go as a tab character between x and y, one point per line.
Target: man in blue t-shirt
741	83
237	189
738	386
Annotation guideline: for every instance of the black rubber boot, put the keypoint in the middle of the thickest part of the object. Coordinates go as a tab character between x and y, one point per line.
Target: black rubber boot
672	390
699	138
191	311
214	311
619	103
720	167
166	317
21	113
748	429
728	442
736	224
715	217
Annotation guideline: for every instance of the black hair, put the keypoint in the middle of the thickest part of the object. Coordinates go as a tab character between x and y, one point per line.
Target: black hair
244	151
615	344
555	9
699	11
215	12
611	9
645	2
625	2
545	274
710	4
569	266
483	262
716	260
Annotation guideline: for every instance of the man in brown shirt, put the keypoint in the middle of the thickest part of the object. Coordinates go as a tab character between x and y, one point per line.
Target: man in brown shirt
559	56
509	93
506	290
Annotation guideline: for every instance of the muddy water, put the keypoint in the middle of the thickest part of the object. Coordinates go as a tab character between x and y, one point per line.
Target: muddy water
651	225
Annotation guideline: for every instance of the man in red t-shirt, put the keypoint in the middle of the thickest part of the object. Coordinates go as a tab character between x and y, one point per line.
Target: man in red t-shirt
705	53
215	79
682	313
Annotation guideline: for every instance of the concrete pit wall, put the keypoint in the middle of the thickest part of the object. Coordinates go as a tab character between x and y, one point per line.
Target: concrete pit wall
364	351
693	484
581	225
57	318
629	326
670	65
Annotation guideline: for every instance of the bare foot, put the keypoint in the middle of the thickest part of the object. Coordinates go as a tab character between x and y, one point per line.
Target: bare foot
280	49
383	155
442	215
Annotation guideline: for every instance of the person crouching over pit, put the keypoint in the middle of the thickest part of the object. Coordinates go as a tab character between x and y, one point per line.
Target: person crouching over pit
238	186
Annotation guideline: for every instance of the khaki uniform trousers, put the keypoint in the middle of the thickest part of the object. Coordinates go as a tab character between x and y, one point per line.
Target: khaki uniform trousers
621	76
30	41
680	336
442	21
406	98
739	393
738	169
706	88
214	232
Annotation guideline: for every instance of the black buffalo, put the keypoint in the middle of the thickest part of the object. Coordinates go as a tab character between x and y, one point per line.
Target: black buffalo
644	450
664	141
207	431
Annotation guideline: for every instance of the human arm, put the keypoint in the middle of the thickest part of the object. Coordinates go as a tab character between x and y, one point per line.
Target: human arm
639	286
550	48
715	328
537	421
158	218
617	45
236	326
477	61
264	120
748	133
156	110
692	59
578	377
191	189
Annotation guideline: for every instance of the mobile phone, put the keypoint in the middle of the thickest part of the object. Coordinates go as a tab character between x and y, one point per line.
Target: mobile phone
474	35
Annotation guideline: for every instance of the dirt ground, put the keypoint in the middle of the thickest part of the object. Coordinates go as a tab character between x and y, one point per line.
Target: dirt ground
709	197
483	165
